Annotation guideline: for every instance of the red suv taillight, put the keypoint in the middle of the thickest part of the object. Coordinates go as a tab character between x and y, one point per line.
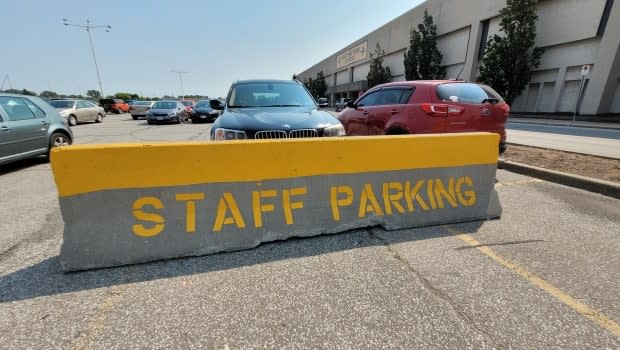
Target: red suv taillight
442	110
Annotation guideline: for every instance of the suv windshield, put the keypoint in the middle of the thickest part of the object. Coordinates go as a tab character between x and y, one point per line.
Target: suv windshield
165	105
269	94
187	103
203	104
61	104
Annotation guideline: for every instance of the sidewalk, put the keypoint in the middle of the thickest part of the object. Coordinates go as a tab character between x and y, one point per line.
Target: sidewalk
613	123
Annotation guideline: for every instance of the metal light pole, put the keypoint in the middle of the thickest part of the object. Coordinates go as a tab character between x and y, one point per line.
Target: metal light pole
88	28
181	79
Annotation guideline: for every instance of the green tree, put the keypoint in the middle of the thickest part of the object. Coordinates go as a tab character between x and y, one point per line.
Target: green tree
309	83
378	74
93	94
126	96
48	94
423	58
20	92
509	59
316	86
320	85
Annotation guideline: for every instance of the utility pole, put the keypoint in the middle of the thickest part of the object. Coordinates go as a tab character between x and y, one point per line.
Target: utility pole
181	79
6	78
88	27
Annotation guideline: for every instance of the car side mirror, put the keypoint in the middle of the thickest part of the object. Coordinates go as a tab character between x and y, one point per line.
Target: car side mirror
351	104
216	104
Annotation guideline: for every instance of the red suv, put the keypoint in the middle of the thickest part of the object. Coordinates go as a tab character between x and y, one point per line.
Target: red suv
425	107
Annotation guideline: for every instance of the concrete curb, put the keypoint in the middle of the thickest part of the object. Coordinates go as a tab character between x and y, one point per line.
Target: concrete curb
607	188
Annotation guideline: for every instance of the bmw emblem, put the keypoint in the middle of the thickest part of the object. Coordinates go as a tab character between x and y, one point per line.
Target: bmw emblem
286	126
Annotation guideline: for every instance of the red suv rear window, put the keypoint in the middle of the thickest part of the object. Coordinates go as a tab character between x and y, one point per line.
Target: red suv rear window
465	93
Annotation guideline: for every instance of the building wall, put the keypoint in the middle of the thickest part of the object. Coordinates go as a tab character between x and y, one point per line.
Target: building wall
568	30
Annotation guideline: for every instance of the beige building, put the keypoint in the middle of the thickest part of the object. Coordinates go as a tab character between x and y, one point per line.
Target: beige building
573	33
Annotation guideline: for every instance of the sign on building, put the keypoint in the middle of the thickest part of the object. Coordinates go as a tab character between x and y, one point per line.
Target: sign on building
354	54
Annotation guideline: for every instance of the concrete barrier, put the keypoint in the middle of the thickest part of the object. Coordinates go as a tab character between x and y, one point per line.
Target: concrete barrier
131	203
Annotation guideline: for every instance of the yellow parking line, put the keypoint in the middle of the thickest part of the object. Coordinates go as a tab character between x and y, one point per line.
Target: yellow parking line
583	309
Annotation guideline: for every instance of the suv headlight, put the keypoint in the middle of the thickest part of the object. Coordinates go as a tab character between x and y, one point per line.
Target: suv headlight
173	113
229	134
334	130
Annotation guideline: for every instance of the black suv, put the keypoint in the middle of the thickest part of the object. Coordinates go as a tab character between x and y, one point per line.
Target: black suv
271	109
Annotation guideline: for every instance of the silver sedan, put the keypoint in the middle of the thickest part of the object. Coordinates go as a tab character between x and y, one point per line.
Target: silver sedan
78	111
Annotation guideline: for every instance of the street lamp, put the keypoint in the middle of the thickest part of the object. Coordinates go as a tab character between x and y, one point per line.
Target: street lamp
181	79
88	28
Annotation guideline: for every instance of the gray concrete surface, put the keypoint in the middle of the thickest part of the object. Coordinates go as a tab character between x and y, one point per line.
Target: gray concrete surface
567	121
595	141
417	288
101	223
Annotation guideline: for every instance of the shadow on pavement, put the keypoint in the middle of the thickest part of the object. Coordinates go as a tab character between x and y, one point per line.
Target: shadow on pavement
22	164
46	278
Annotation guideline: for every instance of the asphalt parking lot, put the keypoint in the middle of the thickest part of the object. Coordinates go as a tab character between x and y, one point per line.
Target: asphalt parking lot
545	275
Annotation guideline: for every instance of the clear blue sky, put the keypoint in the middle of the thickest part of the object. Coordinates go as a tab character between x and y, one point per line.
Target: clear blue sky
217	42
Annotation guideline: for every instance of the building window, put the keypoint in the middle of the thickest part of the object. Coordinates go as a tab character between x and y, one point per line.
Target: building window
483	38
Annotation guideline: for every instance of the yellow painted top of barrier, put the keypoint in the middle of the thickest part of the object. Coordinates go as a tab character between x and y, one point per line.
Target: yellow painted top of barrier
89	168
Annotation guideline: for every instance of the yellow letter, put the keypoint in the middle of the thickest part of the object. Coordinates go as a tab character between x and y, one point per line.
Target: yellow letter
288	205
440	191
227	201
431	193
190	209
261	208
369	195
390	199
411	194
470	195
158	220
335	202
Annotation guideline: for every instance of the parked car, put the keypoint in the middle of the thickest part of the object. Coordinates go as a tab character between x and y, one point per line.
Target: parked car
203	112
271	109
115	105
323	102
189	105
78	111
342	103
423	107
138	109
29	127
166	111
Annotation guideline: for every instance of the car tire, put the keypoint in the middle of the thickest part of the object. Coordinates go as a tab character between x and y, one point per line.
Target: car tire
99	118
149	122
397	131
58	139
135	117
72	120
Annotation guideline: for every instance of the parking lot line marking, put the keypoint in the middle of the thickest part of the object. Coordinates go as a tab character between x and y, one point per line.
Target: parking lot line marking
583	309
